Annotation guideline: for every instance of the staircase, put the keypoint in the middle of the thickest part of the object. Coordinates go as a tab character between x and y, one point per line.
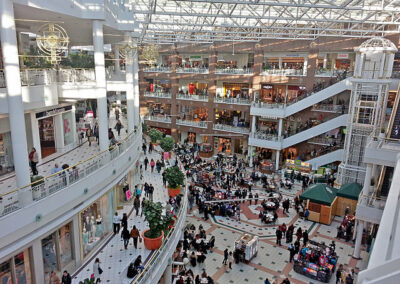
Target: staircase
279	144
282	112
328	158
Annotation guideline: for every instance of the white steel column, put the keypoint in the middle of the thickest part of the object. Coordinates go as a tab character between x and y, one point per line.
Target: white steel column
305	66
59	132
277	159
73	126
367	182
37	254
98	45
136	88
360	230
280	62
325	61
14	97
130	96
117	67
76	240
250	153
253	124
280	127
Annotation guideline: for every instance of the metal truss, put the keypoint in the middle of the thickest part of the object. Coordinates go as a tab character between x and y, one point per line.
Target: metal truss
202	21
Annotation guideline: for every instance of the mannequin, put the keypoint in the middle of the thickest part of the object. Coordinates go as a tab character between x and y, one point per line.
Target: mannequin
99	226
93	228
85	239
88	228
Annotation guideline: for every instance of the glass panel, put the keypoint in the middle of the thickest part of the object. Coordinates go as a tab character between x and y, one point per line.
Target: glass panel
23	268
95	223
5	273
65	245
49	255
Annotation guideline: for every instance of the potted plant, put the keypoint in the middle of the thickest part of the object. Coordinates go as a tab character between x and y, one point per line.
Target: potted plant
167	144
144	127
158	223
155	135
175	179
87	281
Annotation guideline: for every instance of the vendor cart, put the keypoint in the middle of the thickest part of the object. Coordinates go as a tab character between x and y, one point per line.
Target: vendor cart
246	247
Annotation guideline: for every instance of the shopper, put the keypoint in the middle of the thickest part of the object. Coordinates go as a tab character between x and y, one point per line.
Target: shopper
136	205
146	162
226	254
125	235
33	160
292	252
66	278
97	271
54	279
124	221
305	237
118	127
230	259
135	234
278	234
116	223
152	164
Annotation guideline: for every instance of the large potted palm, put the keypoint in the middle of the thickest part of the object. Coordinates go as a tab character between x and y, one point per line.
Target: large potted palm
158	223
155	135
175	179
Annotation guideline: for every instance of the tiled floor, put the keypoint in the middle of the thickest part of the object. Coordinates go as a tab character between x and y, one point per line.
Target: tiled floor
114	258
78	154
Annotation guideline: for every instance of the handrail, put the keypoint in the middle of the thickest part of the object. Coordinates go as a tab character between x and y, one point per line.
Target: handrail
71	174
151	262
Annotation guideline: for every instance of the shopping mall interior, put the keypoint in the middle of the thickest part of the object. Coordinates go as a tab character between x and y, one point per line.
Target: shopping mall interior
199	141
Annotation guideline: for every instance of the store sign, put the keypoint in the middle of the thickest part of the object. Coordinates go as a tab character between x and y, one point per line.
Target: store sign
89	113
128	195
267	87
342	56
195	57
52	112
294	55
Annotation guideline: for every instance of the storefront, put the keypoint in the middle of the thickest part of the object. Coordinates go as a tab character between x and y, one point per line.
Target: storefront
95	223
6	155
223	145
194	88
344	61
194	113
17	269
273	93
57	251
56	130
158	86
236	90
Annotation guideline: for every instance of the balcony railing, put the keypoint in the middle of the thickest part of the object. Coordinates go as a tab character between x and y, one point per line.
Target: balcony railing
192	70
269	137
76	75
329	108
192	97
234	71
237	101
157	69
13	200
157	95
324	141
229	128
158	118
201	124
284	72
325	73
267	105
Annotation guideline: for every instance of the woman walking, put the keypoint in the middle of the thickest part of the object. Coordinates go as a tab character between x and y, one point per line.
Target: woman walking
152	164
135	235
97	271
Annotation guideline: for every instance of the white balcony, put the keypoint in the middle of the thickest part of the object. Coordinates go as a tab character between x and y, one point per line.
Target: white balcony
236	101
229	128
234	71
196	70
329	108
199	98
381	151
192	123
158	118
157	69
157	95
284	72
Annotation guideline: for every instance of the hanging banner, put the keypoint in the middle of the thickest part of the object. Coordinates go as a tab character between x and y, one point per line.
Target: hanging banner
191	89
128	195
68	133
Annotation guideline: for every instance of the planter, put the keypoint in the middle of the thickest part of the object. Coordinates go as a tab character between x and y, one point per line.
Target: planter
172	192
152	244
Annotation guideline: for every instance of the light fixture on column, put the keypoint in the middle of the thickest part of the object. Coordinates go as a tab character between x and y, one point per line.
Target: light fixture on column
149	54
127	49
52	40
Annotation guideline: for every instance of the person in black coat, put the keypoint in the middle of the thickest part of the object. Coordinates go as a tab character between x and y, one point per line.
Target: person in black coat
66	278
278	234
305	237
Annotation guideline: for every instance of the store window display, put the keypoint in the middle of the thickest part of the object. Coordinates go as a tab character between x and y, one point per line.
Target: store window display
95	223
19	271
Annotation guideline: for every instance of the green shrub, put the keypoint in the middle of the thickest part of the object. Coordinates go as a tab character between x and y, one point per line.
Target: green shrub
167	143
157	222
174	177
155	135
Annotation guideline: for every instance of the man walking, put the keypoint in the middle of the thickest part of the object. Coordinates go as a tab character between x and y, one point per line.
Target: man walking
116	223
146	162
278	234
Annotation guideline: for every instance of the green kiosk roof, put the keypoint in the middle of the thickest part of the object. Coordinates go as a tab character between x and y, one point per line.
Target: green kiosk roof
350	191
319	193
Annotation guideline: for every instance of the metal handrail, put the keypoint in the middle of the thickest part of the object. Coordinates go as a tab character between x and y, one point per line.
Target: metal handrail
232	100
194	123
62	179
